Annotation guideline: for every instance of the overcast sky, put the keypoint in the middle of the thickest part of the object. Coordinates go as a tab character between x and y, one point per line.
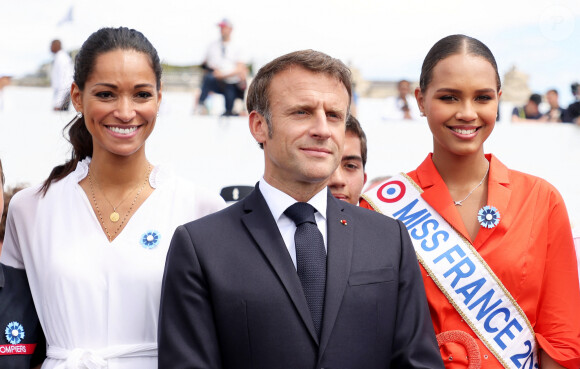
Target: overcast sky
384	39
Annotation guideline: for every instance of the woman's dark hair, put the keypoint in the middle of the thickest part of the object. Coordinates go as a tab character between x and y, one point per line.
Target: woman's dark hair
100	42
452	45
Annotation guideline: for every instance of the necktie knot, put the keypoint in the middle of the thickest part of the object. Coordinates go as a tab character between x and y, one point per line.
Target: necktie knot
301	212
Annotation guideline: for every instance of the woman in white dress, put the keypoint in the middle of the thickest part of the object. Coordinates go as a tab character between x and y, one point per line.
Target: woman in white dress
93	238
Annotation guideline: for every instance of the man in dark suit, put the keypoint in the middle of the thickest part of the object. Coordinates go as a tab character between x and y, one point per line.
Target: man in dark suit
253	286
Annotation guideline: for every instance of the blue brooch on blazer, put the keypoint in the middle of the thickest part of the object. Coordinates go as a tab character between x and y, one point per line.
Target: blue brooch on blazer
150	239
14	333
488	216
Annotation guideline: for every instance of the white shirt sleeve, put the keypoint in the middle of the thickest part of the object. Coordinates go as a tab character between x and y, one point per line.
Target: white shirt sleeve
11	248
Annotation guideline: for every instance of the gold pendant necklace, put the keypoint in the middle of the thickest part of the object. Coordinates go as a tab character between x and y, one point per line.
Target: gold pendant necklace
114	216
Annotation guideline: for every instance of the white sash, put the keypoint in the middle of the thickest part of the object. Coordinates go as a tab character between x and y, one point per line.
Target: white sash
459	271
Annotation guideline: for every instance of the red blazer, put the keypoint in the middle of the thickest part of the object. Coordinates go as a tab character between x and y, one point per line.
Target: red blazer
531	251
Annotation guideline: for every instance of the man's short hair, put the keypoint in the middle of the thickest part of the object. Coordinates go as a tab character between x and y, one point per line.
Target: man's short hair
353	126
402	81
258	98
536	99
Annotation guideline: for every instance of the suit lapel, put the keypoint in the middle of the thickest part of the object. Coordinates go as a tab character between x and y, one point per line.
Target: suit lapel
340	237
261	225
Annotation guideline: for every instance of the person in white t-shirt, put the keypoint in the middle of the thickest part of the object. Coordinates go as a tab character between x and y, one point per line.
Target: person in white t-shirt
225	69
61	77
403	106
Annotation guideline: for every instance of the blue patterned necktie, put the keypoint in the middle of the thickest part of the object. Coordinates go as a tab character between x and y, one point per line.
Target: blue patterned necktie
310	259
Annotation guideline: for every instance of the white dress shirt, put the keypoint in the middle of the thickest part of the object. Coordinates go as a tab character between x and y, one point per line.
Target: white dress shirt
279	201
225	56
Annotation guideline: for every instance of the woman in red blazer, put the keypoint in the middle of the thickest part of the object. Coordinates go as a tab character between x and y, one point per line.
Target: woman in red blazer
526	241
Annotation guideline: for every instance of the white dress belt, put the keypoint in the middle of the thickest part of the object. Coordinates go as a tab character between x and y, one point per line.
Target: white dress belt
80	358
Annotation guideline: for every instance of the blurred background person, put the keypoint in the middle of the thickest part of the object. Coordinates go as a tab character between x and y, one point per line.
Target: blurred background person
8	194
61	76
348	180
572	113
403	106
4	81
555	112
225	71
93	237
528	112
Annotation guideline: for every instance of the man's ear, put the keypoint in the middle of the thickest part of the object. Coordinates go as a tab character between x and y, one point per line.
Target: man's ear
258	127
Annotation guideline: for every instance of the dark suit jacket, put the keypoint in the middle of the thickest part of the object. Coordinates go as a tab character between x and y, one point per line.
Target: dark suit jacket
232	298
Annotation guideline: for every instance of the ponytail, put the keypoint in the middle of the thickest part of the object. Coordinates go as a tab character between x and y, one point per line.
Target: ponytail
82	146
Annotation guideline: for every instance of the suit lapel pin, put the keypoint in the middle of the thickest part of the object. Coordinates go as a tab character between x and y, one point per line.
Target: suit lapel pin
343	222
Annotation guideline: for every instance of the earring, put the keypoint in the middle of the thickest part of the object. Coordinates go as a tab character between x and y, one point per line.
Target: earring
422	114
78	116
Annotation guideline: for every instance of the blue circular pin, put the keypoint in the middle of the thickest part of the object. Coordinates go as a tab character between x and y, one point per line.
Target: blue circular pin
150	239
488	216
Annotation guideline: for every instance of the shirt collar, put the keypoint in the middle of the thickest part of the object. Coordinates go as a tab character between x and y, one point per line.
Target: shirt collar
429	176
279	201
